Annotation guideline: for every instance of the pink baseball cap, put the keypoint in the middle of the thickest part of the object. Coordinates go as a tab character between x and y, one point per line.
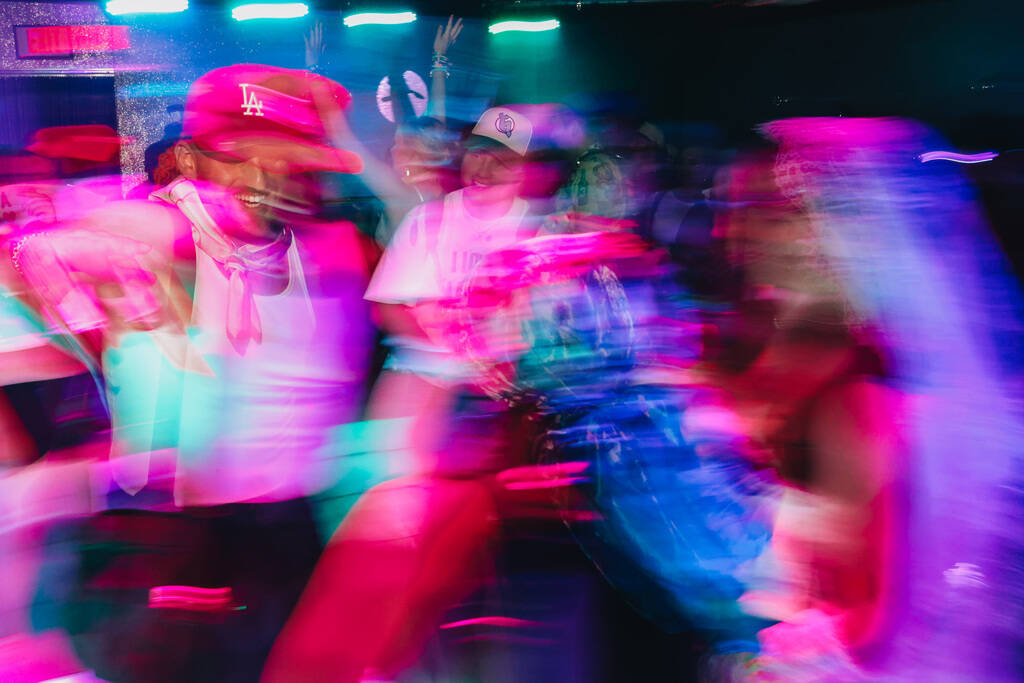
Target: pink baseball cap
275	114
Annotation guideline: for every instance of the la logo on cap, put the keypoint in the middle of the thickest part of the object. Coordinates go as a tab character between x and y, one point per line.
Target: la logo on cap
505	124
251	105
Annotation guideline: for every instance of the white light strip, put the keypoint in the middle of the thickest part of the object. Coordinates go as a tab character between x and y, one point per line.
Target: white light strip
119	7
270	10
532	26
385	18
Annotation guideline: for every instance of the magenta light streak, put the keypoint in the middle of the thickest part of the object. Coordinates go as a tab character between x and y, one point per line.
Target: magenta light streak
957	157
190	598
545	483
563	469
493	621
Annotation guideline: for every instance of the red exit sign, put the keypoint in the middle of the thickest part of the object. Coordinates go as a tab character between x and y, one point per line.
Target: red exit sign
64	41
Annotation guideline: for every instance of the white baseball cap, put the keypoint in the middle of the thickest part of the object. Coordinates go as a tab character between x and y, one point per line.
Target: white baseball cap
507	126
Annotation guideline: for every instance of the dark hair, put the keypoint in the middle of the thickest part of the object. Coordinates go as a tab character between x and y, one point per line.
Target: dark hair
430	132
166	168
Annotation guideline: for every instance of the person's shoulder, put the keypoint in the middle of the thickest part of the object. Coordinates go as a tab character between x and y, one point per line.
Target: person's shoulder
135	208
423	220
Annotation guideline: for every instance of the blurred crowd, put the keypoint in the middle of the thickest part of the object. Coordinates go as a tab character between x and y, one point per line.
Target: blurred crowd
536	397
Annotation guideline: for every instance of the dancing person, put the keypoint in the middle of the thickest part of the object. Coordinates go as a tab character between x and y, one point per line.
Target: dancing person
223	400
414	544
879	370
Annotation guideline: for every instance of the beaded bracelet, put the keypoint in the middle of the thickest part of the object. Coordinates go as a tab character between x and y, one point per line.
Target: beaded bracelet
16	251
440	63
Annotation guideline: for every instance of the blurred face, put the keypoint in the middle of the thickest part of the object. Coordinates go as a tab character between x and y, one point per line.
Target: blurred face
486	171
776	236
241	195
771	238
414	159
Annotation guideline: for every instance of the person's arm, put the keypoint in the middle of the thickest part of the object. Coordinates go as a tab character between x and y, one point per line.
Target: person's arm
856	439
382	180
107	270
857	447
314	43
401	320
439	68
37	364
16	445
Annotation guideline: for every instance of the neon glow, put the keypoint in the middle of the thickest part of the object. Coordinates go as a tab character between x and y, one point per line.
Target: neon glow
979	158
119	7
383	18
492	621
534	472
545	483
543	476
190	598
270	10
530	26
36	41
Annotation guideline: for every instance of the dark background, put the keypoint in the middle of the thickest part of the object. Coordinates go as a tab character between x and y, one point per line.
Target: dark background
954	63
706	71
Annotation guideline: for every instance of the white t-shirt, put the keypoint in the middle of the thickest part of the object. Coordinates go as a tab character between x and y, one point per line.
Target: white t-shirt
437	246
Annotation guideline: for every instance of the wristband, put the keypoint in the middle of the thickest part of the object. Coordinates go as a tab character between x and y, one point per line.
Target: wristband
16	251
440	63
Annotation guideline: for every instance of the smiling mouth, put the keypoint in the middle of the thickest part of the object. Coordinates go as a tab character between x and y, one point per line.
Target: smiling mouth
252	199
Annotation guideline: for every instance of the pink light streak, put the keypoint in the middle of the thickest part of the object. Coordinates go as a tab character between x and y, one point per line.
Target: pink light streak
509	622
191	598
545	483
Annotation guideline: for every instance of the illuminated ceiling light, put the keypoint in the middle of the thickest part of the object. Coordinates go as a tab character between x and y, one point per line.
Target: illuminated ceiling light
119	7
379	18
957	157
270	10
531	26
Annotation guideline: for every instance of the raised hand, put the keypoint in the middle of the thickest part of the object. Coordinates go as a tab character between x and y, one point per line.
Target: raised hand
314	44
446	35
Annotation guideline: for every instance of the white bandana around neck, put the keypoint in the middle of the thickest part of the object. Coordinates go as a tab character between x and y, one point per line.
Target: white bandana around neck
238	260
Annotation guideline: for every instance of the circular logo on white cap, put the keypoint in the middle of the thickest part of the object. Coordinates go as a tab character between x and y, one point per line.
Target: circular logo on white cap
416	89
505	124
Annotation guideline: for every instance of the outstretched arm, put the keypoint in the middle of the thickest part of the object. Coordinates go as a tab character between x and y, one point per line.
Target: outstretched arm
439	70
381	178
109	267
314	46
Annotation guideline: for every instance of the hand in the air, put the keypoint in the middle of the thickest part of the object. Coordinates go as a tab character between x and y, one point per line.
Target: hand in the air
446	35
314	45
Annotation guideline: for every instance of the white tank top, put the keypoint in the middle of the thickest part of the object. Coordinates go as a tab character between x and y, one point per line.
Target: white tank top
253	431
